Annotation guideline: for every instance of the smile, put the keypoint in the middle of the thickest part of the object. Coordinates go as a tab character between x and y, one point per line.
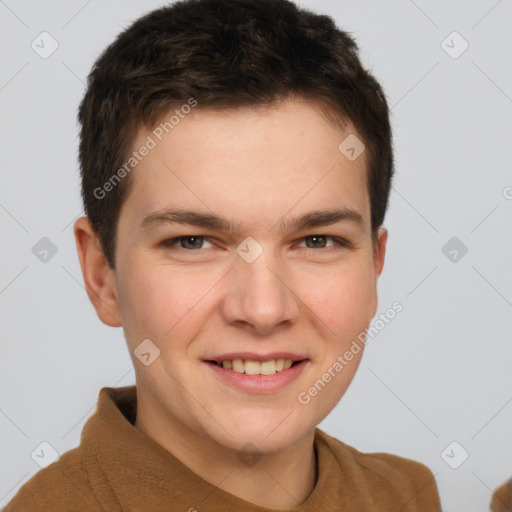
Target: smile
257	376
252	367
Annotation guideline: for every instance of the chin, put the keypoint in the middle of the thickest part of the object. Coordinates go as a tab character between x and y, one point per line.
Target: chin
268	434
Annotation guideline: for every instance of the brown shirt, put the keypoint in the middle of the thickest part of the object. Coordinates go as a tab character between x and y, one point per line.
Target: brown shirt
117	467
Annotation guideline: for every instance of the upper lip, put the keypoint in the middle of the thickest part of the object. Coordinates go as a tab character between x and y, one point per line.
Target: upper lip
257	357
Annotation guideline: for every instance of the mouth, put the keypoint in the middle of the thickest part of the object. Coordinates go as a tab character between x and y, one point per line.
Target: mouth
254	367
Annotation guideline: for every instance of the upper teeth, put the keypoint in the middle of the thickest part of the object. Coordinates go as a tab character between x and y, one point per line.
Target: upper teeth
256	367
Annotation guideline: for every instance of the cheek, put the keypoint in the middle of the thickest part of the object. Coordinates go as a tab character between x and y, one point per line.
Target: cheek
159	301
168	302
342	298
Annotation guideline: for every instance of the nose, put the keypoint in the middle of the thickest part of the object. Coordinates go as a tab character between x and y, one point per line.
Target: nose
260	297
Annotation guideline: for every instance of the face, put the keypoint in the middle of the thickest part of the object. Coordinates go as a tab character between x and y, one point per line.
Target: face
213	265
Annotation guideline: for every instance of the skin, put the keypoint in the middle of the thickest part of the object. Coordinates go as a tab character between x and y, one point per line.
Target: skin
255	167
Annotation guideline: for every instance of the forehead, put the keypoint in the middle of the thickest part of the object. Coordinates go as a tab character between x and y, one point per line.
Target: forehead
255	161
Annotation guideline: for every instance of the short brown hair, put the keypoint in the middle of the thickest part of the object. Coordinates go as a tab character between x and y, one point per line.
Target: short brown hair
224	54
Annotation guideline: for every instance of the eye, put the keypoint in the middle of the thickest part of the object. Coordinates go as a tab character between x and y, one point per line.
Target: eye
196	242
190	242
320	241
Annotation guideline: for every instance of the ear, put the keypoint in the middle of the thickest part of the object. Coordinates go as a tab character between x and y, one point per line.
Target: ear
99	277
379	251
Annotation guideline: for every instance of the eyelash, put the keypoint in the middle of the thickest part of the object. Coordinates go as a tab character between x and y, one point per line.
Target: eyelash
171	242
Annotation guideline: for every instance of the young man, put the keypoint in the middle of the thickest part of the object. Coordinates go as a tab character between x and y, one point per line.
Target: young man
236	163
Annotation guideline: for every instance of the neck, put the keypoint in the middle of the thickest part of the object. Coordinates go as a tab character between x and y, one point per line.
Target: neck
282	479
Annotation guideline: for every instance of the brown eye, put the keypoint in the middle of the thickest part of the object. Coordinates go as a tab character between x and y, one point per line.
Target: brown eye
189	242
317	241
321	242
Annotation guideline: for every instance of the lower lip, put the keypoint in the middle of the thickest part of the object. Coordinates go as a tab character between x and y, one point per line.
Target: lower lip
259	383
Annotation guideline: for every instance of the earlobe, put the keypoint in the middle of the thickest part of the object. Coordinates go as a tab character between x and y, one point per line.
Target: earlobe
99	278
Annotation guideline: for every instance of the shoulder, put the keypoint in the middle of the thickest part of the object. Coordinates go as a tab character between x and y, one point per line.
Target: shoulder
55	487
387	475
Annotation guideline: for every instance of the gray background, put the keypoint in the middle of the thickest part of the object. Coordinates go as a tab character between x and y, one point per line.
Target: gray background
438	373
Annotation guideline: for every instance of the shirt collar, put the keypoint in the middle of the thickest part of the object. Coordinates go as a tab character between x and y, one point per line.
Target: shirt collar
142	473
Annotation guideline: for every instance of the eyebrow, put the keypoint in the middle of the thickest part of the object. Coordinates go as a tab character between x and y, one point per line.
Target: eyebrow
313	219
